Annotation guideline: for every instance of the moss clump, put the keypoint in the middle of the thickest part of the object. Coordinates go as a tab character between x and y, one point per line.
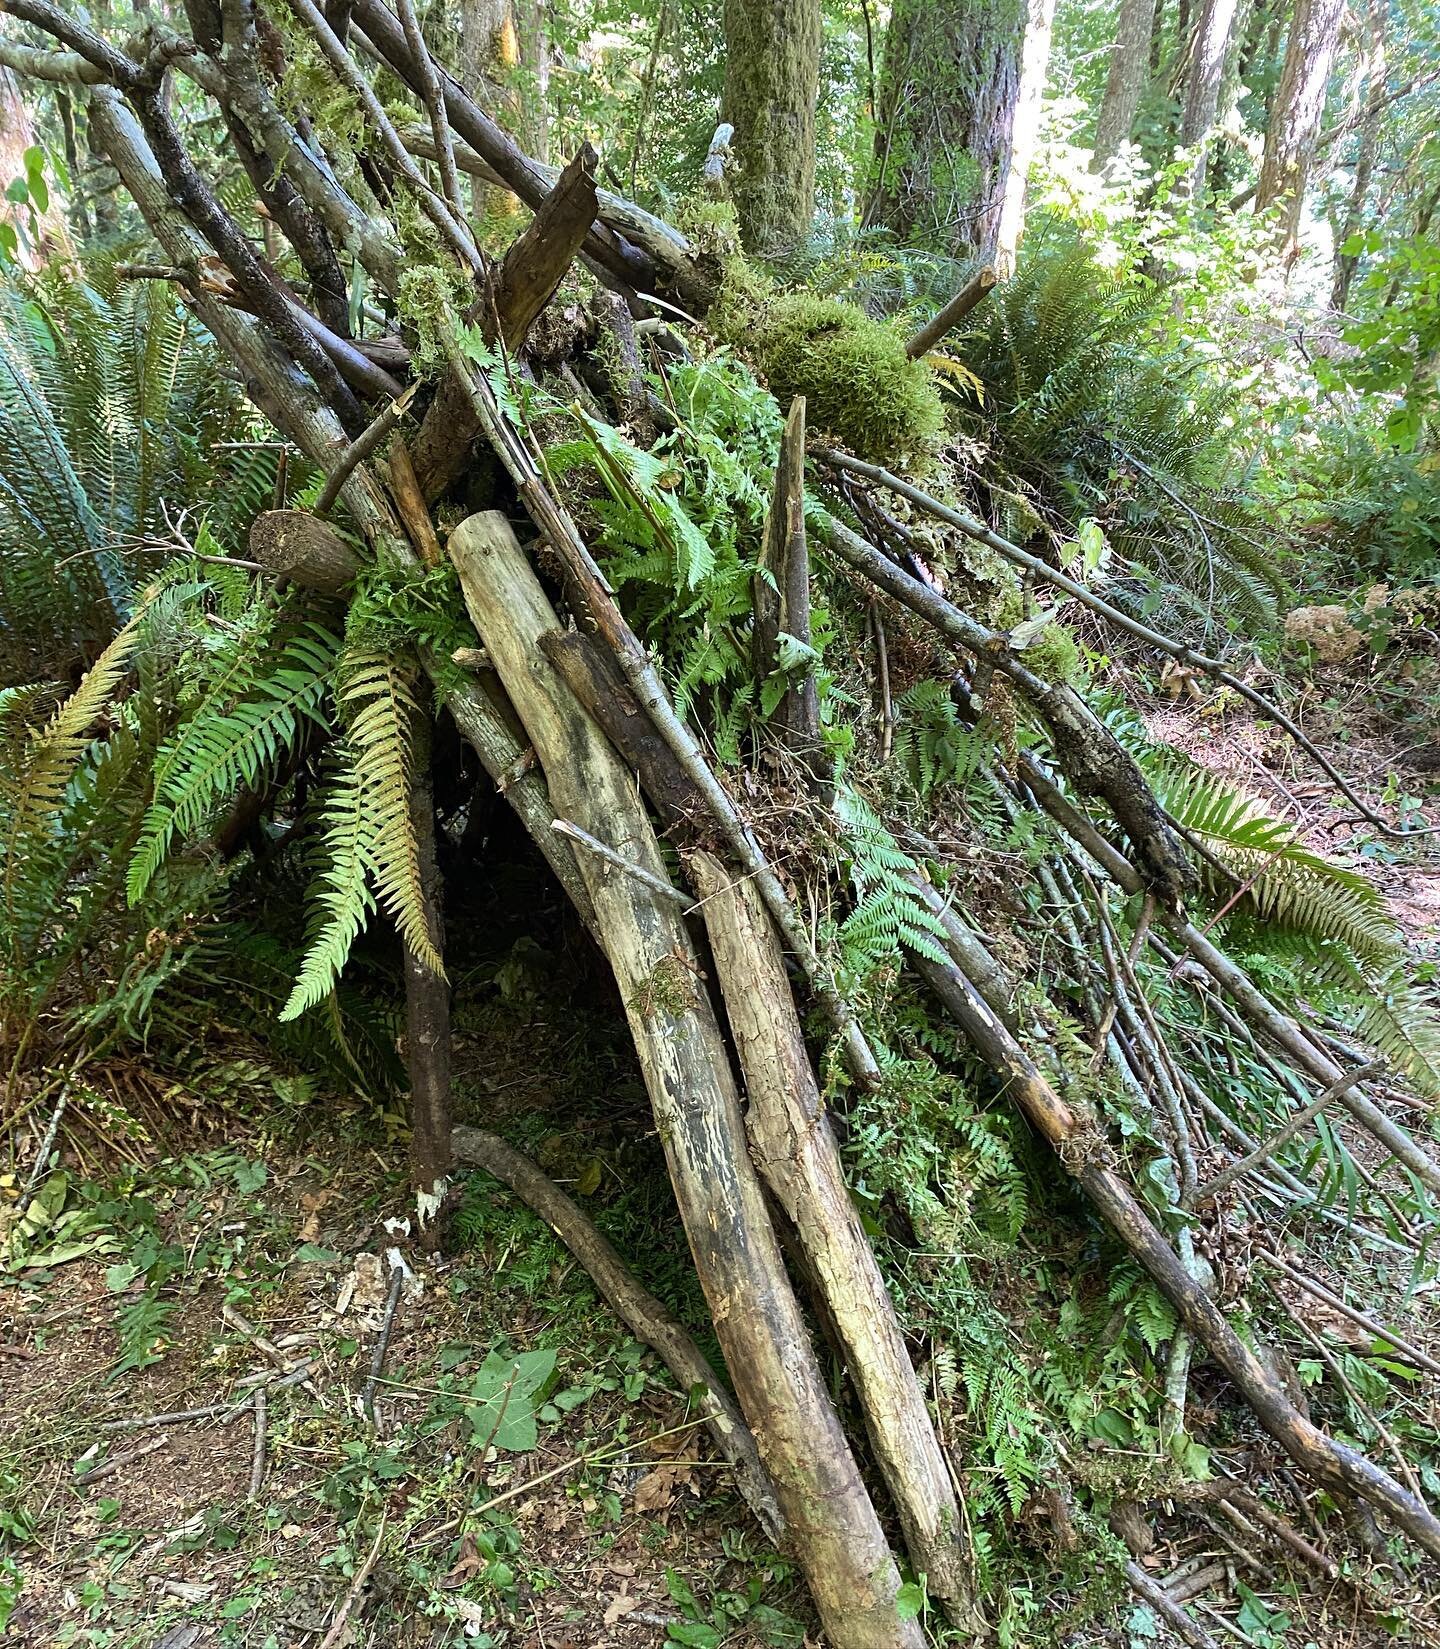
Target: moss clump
668	991
431	295
853	371
1053	655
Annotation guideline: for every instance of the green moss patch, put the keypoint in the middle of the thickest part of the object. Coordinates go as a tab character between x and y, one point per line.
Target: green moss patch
858	382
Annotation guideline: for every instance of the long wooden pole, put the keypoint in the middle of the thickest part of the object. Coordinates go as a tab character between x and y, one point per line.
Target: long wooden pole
795	1151
835	1533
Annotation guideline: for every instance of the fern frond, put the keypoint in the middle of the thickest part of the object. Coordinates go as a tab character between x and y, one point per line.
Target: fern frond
35	796
1285	882
378	694
343	894
217	752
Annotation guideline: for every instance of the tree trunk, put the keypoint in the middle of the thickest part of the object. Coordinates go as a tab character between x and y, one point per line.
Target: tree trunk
835	1534
772	79
489	59
535	57
1354	220
1034	71
17	134
1294	126
948	90
1130	64
1202	89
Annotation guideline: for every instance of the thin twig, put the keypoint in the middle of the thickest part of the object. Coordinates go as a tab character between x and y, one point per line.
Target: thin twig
257	1458
433	96
1360	1318
42	1156
1122	620
398	1270
179	1417
361	448
1168	1610
882	670
110	1467
1301	1119
352	1597
656	884
349	74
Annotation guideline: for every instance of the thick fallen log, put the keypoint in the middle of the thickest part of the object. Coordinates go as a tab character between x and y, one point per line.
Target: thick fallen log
299	546
796	1154
593	676
644	1315
835	1533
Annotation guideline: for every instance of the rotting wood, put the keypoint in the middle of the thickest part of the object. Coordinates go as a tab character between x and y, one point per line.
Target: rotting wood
619	370
538	258
411	505
533	267
835	1533
781	599
646	1318
297	545
795	1151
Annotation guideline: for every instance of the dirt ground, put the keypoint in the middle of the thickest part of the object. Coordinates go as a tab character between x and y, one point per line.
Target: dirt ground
612	1522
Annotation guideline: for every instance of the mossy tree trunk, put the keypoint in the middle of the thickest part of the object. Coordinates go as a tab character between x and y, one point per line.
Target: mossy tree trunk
504	64
1294	128
948	91
772	79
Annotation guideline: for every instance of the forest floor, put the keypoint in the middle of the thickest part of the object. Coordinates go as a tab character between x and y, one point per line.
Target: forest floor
612	1524
1391	761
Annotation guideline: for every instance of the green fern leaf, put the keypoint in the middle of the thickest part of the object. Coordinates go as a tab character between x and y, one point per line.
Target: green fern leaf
213	755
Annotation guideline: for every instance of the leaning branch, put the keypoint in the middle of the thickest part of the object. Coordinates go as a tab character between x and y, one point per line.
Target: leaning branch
978	287
644	1315
1114	615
